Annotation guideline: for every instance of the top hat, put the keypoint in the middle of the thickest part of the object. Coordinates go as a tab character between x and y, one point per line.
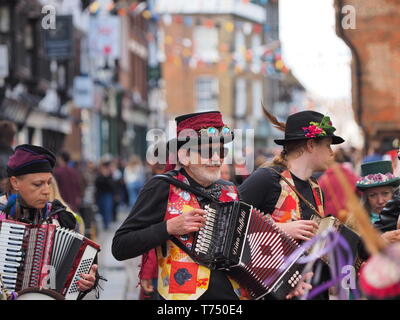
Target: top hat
29	158
377	174
308	125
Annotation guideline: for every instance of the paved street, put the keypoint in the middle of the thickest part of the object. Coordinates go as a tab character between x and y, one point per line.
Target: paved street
122	276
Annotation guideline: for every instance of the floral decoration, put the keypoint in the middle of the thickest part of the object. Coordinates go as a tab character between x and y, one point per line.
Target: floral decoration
376	178
321	129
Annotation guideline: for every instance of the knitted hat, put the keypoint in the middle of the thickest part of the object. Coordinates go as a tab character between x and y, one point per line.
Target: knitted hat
30	159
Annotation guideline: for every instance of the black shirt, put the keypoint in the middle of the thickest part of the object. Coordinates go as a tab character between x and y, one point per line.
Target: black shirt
145	229
262	190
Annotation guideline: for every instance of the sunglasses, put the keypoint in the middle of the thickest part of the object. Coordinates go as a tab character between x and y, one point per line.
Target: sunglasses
208	153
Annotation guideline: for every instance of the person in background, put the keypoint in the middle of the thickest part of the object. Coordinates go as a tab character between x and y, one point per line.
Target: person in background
8	131
379	187
88	203
118	186
134	178
334	196
374	152
69	181
104	192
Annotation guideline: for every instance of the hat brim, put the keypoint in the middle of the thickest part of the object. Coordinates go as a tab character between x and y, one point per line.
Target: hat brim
335	140
392	183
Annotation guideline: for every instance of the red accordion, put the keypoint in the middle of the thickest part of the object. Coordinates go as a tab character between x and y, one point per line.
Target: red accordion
44	256
250	246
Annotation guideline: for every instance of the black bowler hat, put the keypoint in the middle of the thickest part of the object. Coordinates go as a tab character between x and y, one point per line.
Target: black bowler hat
308	125
29	158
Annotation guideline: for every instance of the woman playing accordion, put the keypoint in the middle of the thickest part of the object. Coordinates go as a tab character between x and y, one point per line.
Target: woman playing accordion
26	206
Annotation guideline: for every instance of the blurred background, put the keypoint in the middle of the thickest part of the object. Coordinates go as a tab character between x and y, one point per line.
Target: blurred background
89	78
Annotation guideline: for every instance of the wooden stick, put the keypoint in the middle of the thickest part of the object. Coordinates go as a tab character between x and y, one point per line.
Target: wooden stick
370	235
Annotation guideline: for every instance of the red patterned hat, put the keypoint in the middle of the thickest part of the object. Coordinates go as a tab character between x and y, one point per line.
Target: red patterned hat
201	128
198	129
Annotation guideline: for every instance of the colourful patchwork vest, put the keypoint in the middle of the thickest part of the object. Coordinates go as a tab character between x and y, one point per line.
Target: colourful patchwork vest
179	277
287	207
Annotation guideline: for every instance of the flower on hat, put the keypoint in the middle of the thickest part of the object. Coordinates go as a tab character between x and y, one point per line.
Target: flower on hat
375	178
321	129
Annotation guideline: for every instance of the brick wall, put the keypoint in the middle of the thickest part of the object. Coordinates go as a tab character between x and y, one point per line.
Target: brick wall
376	76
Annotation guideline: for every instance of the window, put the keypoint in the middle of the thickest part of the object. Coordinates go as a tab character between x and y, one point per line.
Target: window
256	47
257	97
206	44
207	94
4	19
241	97
240	48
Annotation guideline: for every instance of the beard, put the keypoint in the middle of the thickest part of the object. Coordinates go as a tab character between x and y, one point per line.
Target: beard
206	174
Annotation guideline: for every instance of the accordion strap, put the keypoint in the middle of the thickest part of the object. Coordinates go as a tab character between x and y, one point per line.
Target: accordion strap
184	186
308	203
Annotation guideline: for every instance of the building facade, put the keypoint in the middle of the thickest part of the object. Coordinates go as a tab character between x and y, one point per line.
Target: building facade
371	30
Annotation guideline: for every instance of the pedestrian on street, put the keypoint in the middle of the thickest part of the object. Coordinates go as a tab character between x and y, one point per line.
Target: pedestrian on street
69	181
8	131
134	178
104	192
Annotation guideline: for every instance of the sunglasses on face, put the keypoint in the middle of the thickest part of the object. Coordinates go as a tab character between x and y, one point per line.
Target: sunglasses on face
208	153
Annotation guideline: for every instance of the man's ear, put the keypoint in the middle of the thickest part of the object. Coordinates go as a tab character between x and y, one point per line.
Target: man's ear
14	183
183	157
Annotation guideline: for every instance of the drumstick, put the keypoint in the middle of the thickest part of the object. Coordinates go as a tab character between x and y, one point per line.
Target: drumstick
370	235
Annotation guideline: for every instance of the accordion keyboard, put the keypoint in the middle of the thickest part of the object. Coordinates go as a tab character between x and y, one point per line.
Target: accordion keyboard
11	242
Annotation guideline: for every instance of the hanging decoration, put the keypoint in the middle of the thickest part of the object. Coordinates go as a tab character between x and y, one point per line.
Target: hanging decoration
265	59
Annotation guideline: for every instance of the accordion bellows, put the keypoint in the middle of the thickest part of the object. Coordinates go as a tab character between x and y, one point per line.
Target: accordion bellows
251	247
44	256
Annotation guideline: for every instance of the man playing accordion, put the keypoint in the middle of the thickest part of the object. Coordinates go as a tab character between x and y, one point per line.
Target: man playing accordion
166	217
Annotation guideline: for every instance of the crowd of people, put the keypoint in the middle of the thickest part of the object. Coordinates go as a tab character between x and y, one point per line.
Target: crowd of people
167	203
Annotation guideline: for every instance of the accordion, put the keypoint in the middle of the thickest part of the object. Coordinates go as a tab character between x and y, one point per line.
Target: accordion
351	237
44	256
248	244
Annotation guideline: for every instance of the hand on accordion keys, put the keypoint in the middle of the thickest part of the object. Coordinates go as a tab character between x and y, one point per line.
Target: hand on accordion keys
300	229
87	281
191	220
302	287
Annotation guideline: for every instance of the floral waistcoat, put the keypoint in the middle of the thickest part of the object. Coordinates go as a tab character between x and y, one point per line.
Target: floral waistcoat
179	277
287	207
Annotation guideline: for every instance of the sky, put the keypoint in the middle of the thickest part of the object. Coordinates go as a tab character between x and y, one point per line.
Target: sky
311	48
